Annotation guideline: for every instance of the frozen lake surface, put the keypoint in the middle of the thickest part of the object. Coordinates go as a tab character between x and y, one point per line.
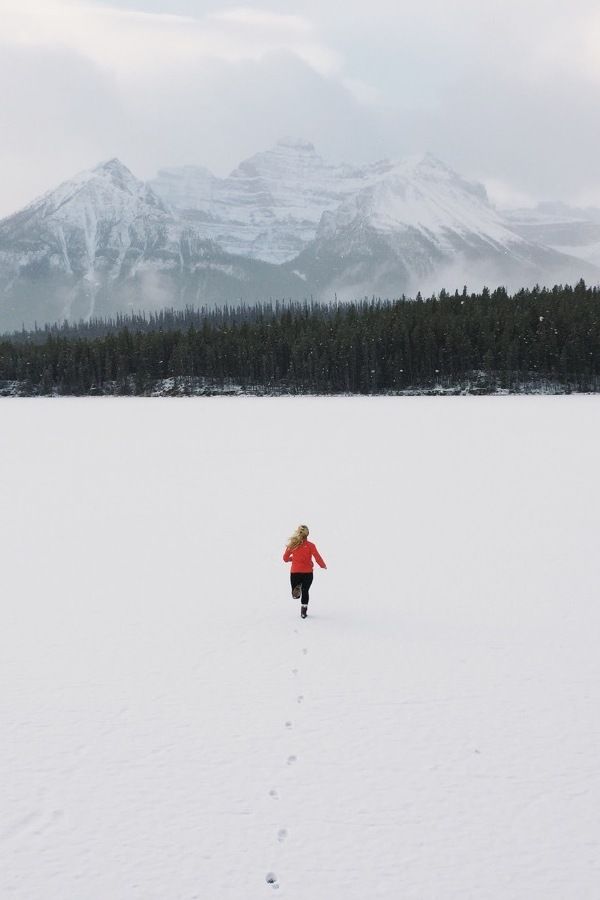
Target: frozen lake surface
172	730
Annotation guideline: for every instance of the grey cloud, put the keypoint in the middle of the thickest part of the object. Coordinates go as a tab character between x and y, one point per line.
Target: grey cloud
467	81
58	113
67	115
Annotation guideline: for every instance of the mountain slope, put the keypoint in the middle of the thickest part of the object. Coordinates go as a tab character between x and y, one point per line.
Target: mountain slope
284	224
421	226
270	206
58	255
567	229
104	242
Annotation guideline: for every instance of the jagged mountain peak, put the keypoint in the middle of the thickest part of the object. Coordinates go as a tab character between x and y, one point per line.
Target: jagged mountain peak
114	167
105	239
428	161
269	207
117	173
109	185
286	156
423	163
426	168
419	191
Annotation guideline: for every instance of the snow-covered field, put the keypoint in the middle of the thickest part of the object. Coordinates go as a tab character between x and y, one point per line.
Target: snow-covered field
172	729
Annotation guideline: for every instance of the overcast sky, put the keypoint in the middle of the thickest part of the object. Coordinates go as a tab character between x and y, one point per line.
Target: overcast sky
505	91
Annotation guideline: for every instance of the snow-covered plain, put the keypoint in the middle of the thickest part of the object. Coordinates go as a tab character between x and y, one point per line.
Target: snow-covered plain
172	729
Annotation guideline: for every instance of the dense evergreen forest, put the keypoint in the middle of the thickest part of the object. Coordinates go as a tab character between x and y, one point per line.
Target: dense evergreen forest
539	339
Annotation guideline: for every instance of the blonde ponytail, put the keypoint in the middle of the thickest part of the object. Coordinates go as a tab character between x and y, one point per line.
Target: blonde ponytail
300	535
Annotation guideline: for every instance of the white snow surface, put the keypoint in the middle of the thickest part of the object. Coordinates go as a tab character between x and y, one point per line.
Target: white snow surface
172	729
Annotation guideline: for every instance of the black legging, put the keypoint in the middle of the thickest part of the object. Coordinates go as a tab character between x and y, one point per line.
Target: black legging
305	579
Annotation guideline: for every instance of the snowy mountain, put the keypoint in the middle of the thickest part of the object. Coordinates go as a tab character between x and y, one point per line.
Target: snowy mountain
56	254
567	229
103	243
284	224
421	226
269	207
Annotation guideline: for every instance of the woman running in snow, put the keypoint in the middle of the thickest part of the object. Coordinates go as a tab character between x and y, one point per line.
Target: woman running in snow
300	552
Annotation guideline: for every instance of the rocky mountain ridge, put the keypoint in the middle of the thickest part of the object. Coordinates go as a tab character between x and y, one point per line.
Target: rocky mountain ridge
285	224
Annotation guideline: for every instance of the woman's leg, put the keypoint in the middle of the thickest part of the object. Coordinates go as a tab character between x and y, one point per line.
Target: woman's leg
295	579
307	578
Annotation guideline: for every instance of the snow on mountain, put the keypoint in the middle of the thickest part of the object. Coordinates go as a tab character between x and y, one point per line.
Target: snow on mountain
420	226
567	229
98	207
270	206
104	242
108	186
66	244
187	188
422	193
284	224
389	227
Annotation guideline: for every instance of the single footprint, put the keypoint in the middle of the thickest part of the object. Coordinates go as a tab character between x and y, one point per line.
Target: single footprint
291	760
271	878
299	698
281	835
273	794
305	650
288	724
294	671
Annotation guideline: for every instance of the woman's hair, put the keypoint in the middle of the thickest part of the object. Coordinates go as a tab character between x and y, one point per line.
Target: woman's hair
300	534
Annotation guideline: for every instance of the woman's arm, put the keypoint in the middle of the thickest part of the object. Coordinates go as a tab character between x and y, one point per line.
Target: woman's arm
287	554
318	558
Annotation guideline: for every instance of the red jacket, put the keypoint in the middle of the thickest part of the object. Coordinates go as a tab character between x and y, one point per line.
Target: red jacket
302	556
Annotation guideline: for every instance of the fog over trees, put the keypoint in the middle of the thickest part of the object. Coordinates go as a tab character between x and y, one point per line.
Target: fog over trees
540	339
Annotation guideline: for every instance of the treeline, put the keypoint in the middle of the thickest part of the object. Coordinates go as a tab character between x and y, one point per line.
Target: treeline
162	320
534	339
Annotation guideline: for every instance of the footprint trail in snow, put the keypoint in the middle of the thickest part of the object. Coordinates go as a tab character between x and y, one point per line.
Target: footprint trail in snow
282	834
